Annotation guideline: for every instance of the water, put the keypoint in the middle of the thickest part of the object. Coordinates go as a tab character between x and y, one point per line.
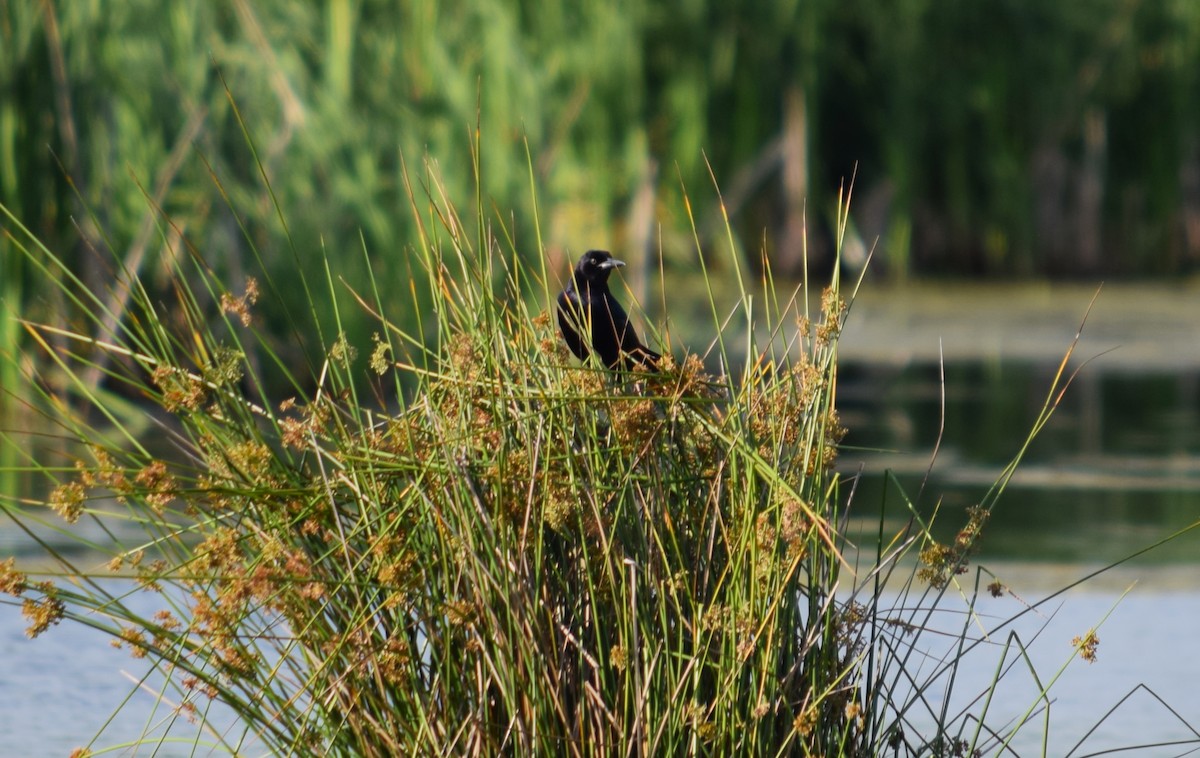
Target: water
1123	700
1117	466
60	690
1116	470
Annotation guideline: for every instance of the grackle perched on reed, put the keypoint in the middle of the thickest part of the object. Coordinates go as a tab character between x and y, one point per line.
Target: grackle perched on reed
590	317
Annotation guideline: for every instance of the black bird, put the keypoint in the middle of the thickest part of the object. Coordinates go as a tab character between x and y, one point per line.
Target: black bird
587	307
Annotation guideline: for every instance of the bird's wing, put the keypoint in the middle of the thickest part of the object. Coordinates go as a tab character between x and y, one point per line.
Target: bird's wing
631	344
571	321
618	318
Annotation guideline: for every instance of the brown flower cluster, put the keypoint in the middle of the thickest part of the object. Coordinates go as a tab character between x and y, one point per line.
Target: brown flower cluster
232	465
43	612
67	501
156	486
181	391
941	563
635	422
394	562
781	534
106	472
806	721
152	485
224	368
1087	645
366	659
380	360
241	306
12	581
134	639
295	432
833	314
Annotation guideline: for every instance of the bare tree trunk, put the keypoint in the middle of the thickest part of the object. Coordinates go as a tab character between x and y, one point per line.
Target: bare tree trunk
1089	214
639	234
795	180
1189	190
1050	172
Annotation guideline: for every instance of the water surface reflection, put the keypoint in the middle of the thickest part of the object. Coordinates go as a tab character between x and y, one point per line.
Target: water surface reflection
1117	467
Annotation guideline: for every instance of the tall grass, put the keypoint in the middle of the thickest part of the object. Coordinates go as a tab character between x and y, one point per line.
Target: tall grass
460	541
486	548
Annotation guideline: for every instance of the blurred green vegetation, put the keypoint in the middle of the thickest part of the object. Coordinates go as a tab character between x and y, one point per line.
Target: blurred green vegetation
1016	137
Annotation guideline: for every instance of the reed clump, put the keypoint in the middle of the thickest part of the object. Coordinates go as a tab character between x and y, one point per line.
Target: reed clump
456	539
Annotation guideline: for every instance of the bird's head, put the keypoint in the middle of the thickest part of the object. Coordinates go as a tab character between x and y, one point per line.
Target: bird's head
595	266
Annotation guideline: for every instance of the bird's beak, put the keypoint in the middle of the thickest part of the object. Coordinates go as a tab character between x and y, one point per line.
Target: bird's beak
612	263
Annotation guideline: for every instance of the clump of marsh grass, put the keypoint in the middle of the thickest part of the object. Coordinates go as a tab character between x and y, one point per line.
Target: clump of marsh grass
456	539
